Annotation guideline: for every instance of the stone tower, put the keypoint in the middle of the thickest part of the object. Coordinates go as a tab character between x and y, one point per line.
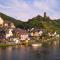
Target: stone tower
44	14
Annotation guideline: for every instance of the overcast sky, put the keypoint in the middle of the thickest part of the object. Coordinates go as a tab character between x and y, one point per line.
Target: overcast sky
25	9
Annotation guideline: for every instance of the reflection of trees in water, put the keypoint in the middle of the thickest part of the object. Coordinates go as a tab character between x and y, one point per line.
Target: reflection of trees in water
41	53
44	53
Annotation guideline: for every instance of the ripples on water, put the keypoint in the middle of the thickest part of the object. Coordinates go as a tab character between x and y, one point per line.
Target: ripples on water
30	53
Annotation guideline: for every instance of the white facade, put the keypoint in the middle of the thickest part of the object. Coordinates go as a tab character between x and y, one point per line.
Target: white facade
1	21
40	33
32	34
9	34
24	37
6	24
16	40
12	25
36	34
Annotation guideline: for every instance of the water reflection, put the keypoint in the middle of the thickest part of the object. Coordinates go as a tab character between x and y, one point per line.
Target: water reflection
29	53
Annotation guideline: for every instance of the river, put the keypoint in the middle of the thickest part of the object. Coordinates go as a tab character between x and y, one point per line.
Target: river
30	53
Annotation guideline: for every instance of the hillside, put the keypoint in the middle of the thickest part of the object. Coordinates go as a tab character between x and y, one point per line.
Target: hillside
8	18
45	23
36	22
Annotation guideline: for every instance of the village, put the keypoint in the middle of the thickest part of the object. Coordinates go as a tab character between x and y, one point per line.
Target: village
9	34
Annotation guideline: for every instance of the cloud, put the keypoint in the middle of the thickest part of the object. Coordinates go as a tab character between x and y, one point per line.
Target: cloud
50	7
26	9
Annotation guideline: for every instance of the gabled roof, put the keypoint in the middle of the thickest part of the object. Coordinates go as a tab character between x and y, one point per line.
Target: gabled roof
21	31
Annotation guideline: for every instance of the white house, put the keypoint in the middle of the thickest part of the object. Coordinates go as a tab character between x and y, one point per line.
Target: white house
6	24
1	21
9	34
40	33
12	25
16	40
25	37
36	33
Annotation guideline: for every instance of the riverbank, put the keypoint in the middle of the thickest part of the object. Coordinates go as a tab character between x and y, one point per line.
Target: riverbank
7	45
42	44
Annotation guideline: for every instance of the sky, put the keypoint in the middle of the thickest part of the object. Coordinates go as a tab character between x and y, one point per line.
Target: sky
26	9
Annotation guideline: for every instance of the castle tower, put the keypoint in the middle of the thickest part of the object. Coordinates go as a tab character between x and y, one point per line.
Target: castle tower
44	14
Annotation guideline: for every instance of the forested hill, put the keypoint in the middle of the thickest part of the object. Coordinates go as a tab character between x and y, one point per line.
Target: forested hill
36	22
8	18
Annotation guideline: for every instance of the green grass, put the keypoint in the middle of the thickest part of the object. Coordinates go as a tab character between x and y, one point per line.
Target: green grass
6	45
